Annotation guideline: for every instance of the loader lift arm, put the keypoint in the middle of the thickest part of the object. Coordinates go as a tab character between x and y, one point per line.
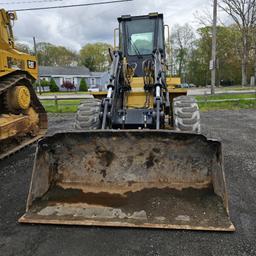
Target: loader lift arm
112	88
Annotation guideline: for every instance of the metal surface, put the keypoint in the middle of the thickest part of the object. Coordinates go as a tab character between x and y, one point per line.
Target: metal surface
26	127
17	73
10	58
151	179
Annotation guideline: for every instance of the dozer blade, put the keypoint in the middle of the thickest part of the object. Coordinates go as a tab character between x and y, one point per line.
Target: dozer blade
151	179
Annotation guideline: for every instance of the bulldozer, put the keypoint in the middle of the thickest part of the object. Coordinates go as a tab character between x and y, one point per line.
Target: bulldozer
136	158
23	119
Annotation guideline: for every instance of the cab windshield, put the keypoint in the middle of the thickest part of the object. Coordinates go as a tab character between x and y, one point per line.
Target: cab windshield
140	36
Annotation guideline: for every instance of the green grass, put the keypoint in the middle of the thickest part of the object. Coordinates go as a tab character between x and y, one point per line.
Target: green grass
70	106
228	105
241	104
225	96
238	88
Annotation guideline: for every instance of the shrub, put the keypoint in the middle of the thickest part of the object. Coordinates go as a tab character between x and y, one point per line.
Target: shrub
43	84
83	86
53	86
68	85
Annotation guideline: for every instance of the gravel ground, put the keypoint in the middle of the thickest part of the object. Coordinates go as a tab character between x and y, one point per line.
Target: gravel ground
237	129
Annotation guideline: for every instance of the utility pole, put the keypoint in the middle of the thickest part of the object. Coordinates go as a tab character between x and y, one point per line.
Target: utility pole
35	51
213	65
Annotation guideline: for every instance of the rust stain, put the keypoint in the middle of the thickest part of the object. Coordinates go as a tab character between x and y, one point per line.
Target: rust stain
91	163
152	159
104	173
106	157
201	207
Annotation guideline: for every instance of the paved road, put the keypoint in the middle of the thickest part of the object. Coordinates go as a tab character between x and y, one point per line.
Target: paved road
65	96
238	132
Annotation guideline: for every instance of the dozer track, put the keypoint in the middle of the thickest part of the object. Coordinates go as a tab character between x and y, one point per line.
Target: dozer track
15	143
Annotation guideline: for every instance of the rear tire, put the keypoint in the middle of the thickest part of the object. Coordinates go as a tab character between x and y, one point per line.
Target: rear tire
186	115
88	115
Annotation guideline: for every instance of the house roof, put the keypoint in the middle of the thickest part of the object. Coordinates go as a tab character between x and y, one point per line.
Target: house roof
98	74
63	71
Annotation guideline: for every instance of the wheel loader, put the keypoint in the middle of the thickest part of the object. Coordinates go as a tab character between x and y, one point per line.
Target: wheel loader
137	158
23	119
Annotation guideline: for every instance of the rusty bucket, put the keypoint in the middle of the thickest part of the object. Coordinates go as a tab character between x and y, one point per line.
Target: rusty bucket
149	179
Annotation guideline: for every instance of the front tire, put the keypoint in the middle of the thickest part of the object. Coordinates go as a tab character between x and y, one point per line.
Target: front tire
186	115
88	115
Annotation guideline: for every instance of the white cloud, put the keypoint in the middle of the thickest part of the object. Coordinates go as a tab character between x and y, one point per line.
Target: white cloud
73	27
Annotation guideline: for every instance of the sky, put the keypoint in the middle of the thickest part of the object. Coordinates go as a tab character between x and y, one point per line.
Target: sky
74	27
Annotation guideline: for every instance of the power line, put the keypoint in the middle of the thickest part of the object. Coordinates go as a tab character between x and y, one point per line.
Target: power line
32	2
69	6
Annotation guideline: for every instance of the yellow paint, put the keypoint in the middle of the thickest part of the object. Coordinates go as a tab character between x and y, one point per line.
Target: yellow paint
137	82
173	81
13	125
33	116
137	96
10	58
21	97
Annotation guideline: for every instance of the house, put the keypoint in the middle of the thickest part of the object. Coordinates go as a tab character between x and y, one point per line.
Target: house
94	80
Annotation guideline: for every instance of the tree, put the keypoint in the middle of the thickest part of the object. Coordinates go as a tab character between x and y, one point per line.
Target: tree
53	86
83	86
23	48
227	56
254	53
198	64
244	15
95	56
52	55
69	86
182	41
43	84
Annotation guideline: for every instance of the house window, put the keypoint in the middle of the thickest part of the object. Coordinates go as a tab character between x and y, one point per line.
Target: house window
93	81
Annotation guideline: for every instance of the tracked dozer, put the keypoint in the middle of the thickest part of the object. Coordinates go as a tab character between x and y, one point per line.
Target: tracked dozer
23	119
137	158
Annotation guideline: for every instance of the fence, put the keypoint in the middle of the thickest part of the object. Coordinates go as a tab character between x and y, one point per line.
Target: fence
71	102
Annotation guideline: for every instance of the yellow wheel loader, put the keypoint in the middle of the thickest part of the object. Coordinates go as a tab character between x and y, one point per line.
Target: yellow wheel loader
23	119
137	158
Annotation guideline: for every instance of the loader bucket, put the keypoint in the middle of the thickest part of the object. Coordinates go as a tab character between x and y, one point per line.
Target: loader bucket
150	179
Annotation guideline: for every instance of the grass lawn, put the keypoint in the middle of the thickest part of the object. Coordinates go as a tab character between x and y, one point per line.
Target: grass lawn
225	96
70	106
228	105
238	88
234	105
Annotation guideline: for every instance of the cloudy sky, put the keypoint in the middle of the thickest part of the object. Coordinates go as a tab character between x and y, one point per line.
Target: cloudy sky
74	27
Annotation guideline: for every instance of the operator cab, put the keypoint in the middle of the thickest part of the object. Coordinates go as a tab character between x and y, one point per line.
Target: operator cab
139	37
